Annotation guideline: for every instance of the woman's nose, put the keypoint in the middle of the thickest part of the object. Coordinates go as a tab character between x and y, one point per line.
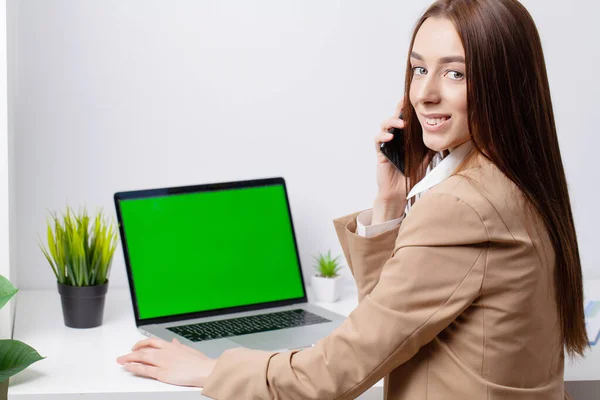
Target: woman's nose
429	91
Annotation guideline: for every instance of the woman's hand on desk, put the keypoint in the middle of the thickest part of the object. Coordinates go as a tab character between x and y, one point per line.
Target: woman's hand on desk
169	362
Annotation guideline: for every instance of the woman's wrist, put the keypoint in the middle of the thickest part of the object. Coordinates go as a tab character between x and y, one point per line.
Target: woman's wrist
386	209
208	366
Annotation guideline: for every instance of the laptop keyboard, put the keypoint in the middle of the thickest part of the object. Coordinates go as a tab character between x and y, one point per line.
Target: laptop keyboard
247	325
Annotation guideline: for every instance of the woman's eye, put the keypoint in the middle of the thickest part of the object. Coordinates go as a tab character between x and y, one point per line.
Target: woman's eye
419	68
457	75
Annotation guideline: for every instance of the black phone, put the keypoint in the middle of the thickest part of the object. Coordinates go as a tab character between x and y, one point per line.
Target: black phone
394	149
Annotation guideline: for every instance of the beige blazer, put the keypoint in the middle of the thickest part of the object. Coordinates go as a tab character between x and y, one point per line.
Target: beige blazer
458	302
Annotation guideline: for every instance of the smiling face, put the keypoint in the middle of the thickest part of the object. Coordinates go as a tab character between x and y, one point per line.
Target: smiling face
438	91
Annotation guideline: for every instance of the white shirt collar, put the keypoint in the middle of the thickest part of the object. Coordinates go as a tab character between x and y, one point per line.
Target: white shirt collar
443	170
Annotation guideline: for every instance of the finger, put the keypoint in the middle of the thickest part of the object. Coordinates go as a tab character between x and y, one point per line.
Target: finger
390	123
150	342
382	137
149	371
145	356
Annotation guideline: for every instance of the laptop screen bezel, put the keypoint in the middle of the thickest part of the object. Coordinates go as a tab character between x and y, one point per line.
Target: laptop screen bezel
170	191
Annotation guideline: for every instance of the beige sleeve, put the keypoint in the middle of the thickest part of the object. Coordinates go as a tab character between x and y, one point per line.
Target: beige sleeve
435	272
365	256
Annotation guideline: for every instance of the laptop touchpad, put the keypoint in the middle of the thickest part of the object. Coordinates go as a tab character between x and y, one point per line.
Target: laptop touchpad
295	338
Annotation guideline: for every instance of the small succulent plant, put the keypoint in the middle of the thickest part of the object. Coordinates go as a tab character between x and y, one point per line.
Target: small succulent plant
80	249
326	266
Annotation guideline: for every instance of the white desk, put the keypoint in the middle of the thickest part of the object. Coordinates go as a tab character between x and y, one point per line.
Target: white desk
82	363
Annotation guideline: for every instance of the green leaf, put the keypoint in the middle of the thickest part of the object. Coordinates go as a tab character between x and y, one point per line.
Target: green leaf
7	290
70	273
16	356
326	266
51	243
81	247
48	258
60	251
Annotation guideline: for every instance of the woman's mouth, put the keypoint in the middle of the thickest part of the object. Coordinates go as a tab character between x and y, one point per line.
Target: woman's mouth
436	124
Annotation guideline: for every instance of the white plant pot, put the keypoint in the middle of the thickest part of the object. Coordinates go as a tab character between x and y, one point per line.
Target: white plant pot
326	289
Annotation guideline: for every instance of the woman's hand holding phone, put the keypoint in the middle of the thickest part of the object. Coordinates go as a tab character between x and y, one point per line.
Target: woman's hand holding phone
391	196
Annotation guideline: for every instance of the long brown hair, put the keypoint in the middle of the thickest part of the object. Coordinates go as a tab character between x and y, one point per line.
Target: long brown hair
511	123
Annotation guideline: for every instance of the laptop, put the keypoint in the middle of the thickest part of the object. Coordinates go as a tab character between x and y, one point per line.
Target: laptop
217	266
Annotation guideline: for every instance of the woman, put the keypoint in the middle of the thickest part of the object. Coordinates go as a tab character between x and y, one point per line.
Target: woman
478	291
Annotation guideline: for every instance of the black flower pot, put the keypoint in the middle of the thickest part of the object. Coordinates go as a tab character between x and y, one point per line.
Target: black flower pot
83	307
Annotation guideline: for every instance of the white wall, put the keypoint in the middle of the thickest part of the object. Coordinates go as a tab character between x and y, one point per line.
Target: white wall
118	95
5	313
6	164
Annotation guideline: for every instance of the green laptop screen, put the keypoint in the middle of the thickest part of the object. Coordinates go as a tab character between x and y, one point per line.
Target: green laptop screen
209	250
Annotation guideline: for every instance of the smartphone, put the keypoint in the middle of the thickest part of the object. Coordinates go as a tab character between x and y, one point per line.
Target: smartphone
394	149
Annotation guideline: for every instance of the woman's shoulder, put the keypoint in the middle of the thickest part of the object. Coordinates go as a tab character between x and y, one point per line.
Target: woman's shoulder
479	185
499	203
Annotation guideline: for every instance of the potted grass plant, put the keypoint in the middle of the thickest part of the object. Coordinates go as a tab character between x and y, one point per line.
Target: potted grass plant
15	355
326	281
80	250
